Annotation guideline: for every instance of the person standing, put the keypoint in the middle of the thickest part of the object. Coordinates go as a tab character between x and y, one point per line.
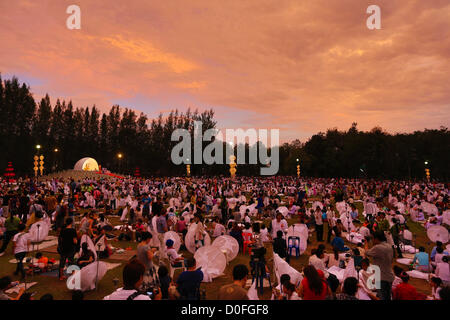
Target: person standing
12	227
145	253
382	256
67	246
319	224
161	228
21	243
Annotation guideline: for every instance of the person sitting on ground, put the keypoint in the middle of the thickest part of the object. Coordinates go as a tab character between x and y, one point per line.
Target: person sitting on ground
313	285
42	263
423	262
436	286
338	242
443	271
405	291
133	277
139	228
289	292
333	284
188	283
5	284
317	261
235	290
278	290
349	289
397	272
439	244
125	232
87	256
217	228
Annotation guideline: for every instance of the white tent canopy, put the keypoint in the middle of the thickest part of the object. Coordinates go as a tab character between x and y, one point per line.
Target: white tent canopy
86	164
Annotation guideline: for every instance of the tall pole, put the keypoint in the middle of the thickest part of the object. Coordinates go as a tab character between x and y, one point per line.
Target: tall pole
298	168
427	171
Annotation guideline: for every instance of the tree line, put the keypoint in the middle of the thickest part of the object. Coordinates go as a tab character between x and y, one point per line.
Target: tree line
67	134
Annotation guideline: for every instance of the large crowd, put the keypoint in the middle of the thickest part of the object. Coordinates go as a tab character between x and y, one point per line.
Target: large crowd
257	212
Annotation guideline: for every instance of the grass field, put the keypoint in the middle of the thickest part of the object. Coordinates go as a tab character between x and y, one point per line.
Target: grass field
58	289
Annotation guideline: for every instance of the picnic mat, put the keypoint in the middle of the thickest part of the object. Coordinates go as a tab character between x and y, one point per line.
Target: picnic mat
17	288
124	256
44	246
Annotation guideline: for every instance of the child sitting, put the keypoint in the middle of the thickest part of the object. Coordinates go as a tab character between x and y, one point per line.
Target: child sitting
175	259
42	264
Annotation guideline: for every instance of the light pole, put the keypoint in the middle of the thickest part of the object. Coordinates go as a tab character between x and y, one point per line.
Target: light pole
427	171
120	156
298	167
56	150
188	168
37	162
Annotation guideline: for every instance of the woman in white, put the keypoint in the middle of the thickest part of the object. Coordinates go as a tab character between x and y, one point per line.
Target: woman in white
21	244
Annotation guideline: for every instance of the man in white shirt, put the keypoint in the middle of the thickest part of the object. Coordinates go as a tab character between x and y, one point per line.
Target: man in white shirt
22	243
133	276
278	224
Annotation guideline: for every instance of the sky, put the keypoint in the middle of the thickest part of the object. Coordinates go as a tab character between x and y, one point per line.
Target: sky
295	65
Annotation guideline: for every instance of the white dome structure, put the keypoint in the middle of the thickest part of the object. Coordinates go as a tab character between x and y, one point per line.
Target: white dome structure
86	164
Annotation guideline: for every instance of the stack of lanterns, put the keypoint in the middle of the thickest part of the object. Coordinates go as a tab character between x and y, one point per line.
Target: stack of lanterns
9	174
232	166
427	172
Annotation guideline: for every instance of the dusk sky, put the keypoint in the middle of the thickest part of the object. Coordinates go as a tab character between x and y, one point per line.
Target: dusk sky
300	66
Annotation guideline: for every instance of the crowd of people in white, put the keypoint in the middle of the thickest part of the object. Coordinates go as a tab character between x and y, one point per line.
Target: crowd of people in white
215	218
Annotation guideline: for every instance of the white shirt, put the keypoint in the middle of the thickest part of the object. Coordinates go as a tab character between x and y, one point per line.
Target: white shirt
173	255
443	271
21	241
121	294
276	226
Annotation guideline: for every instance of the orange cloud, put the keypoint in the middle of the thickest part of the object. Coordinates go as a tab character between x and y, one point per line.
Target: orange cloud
302	66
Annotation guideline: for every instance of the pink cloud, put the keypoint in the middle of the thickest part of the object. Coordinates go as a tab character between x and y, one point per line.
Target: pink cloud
302	66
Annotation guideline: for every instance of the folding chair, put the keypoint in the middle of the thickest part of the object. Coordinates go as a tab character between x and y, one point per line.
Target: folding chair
294	243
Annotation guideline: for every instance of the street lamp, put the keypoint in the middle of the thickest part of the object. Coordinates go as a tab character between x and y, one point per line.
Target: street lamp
188	168
427	171
298	167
